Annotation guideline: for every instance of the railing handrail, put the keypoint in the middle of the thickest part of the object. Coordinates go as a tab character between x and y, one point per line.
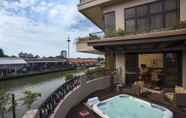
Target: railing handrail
49	105
91	36
101	33
82	2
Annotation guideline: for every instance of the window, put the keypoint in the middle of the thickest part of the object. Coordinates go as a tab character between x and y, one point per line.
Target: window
156	21
142	11
155	7
170	19
152	16
130	13
142	25
131	25
170	4
109	19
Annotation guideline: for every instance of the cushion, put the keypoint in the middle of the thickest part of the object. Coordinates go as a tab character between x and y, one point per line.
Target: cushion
180	90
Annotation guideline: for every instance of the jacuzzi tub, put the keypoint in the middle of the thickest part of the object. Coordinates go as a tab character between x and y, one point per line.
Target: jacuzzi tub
125	106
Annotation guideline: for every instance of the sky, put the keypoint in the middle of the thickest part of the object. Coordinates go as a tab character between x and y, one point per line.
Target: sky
41	27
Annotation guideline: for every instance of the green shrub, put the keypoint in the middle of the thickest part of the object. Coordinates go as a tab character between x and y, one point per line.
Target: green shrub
69	76
110	33
2	93
182	24
179	25
113	33
29	98
94	73
121	32
5	102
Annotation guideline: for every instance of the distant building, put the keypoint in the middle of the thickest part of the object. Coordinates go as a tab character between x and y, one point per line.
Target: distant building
63	54
11	66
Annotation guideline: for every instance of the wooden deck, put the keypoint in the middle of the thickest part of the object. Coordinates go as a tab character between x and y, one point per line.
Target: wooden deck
105	94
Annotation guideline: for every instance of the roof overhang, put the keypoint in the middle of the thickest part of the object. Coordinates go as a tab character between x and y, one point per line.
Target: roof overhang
83	47
165	39
95	15
93	10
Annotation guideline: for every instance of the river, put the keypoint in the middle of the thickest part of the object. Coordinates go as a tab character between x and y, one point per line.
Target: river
44	84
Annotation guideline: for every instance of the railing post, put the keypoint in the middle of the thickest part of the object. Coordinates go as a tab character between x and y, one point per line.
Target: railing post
13	106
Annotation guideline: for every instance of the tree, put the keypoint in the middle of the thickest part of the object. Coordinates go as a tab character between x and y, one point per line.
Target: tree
13	56
2	53
29	98
37	56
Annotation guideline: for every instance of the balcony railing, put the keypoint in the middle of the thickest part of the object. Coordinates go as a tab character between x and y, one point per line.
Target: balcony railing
85	1
110	34
48	107
96	35
91	36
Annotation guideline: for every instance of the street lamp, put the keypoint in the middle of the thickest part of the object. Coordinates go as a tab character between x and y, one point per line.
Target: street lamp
68	41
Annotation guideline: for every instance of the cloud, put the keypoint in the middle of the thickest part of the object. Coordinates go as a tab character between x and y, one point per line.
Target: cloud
41	27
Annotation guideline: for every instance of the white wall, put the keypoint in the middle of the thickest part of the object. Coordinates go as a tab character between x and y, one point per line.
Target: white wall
120	67
78	94
184	69
182	10
31	114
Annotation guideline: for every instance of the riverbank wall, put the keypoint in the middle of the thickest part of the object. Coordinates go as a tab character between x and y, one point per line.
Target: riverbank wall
29	74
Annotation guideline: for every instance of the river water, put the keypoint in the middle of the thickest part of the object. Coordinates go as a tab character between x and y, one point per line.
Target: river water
44	84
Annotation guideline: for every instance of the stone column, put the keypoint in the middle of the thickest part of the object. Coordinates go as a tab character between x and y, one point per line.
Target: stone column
184	68
120	67
182	10
110	60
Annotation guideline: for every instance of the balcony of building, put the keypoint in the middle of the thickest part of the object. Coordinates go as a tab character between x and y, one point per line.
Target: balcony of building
131	20
82	43
99	40
122	36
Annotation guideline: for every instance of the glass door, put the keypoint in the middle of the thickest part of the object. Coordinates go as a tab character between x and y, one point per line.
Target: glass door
131	68
172	67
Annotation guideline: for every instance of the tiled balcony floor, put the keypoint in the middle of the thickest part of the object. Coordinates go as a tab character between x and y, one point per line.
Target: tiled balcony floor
105	94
